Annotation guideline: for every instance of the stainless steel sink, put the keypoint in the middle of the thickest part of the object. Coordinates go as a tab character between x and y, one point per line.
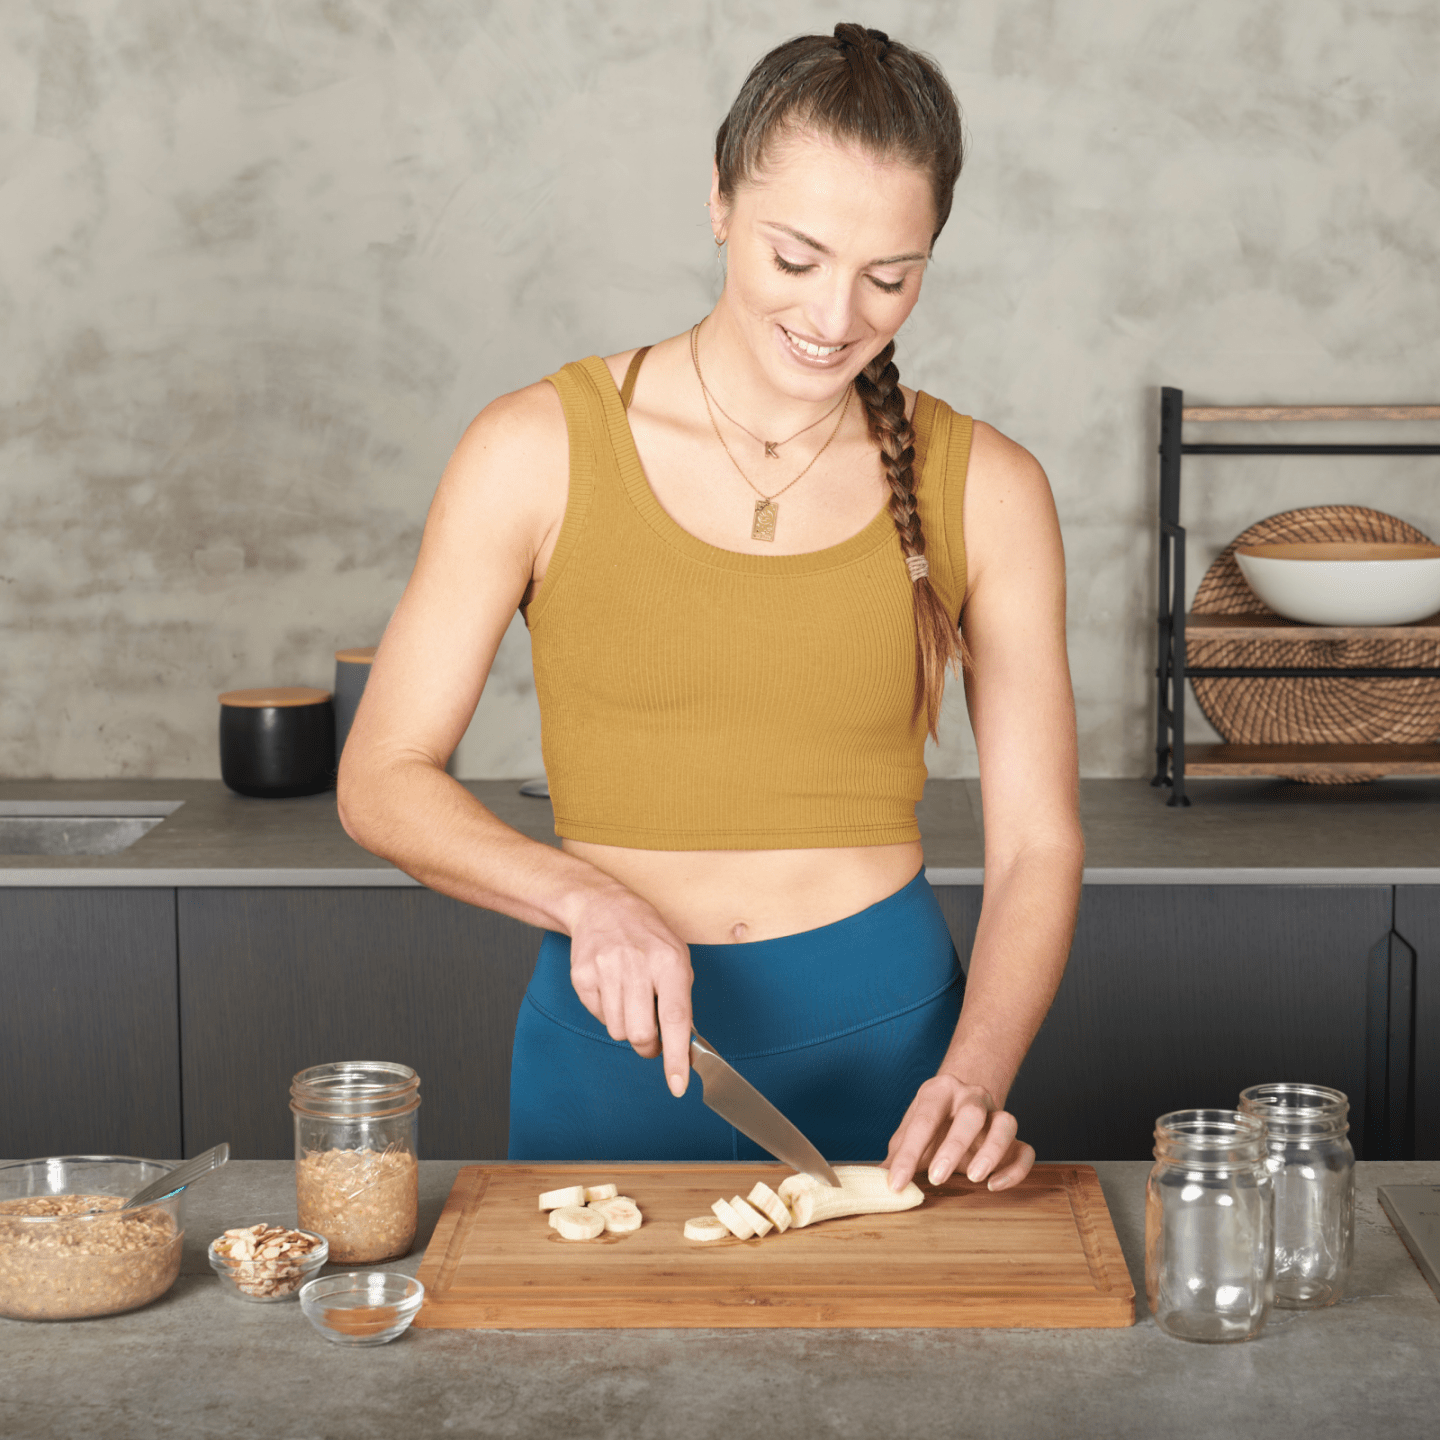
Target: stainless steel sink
77	827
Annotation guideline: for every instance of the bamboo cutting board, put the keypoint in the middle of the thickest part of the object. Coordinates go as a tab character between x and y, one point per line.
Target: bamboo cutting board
1043	1255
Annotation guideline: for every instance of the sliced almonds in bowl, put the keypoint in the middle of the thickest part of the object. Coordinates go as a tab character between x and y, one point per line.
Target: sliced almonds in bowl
267	1262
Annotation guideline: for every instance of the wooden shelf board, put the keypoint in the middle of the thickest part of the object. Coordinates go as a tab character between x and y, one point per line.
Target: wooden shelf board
1300	761
1273	627
1204	413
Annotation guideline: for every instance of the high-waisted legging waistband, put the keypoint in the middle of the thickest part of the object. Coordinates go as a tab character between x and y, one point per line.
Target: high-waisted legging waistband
838	1026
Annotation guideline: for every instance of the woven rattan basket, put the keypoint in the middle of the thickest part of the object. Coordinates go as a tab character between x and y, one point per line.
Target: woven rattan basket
1285	710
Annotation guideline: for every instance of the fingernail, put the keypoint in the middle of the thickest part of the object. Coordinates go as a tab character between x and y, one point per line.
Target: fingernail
975	1174
934	1175
677	1084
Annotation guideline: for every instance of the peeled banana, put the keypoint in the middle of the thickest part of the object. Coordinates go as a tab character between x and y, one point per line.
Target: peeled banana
864	1190
570	1195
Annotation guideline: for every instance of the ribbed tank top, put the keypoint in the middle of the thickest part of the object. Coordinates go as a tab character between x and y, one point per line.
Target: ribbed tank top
694	698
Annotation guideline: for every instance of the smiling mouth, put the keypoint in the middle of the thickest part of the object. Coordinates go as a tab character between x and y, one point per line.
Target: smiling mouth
815	352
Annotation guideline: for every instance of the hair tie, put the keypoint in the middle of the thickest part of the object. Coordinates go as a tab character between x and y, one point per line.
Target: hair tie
918	566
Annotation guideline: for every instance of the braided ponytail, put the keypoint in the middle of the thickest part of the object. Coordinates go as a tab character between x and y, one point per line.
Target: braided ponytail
938	645
863	88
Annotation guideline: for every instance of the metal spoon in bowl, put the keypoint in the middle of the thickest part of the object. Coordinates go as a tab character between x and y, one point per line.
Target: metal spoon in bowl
180	1177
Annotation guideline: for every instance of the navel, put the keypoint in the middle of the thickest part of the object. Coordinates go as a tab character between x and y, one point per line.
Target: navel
739	930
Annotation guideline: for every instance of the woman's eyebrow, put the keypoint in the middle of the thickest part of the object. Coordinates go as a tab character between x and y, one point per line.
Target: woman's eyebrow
814	244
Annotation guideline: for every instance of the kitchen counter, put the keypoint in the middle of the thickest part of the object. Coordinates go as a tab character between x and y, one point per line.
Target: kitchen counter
1237	833
200	1363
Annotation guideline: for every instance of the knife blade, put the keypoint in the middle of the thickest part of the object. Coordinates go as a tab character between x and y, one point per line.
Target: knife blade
734	1099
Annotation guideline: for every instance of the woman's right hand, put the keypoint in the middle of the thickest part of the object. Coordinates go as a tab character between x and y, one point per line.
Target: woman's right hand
631	971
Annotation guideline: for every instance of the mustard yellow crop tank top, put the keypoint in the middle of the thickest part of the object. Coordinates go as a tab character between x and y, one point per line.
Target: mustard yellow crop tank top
694	698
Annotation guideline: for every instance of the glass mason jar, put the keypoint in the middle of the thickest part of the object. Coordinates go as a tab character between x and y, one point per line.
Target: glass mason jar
1209	1226
1313	1168
357	1177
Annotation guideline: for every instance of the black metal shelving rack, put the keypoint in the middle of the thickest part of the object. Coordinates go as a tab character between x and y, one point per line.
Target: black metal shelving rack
1171	668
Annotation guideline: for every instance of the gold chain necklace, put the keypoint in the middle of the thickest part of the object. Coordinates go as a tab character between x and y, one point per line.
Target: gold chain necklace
767	512
772	447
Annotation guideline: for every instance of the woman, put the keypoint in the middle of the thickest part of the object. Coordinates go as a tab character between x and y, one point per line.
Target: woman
743	554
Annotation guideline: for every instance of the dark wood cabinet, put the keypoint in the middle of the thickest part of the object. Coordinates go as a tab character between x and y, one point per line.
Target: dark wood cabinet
116	1004
1179	996
89	1040
1417	926
274	980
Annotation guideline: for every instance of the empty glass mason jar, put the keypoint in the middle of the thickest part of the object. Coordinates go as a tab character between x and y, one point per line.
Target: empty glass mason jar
1314	1172
1209	1226
357	1176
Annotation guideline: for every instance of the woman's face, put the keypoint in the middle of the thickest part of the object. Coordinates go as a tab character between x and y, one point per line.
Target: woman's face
827	248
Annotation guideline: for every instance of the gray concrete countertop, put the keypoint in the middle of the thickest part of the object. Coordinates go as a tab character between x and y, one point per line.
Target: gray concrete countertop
1237	832
199	1363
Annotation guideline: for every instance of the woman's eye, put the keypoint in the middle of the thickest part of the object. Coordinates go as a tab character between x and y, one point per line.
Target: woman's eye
781	263
893	287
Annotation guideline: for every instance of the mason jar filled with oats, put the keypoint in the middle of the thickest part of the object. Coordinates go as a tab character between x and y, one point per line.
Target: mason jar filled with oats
357	1178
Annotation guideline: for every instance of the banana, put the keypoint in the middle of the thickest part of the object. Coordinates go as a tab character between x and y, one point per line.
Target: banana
705	1227
620	1215
752	1217
570	1195
601	1192
575	1222
771	1206
734	1222
864	1190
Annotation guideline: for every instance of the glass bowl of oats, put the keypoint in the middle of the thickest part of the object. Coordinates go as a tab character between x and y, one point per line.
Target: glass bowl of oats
263	1263
65	1251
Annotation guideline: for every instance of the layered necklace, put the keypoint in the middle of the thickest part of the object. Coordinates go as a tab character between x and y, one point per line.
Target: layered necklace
766	510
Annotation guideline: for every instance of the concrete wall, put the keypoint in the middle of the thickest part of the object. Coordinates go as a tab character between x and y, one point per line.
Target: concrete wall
261	263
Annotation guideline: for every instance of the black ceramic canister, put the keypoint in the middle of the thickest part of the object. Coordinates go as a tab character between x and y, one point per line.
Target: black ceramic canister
352	670
279	742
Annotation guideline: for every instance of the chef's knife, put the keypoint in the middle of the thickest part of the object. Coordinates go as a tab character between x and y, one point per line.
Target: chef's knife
734	1098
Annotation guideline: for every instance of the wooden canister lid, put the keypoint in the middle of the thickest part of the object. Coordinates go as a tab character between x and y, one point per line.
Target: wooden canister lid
358	655
279	695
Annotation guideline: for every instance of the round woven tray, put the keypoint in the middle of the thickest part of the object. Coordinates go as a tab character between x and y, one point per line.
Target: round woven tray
1283	710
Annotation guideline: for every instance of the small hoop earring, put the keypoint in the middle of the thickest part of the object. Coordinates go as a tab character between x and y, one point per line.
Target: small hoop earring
719	243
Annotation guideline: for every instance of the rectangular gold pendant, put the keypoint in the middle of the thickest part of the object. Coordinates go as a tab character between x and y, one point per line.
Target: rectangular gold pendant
765	515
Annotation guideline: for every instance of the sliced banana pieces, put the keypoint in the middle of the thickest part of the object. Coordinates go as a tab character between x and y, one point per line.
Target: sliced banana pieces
620	1214
570	1195
705	1227
732	1220
771	1206
752	1217
581	1212
578	1222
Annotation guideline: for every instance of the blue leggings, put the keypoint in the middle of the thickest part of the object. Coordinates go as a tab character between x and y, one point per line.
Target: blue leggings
838	1027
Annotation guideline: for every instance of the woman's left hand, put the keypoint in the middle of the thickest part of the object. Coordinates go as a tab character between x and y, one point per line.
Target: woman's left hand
951	1125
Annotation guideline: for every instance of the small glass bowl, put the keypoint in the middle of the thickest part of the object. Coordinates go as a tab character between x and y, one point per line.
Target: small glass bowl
243	1277
363	1307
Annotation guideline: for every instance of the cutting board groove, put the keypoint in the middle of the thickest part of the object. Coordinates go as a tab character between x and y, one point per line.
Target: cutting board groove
1042	1255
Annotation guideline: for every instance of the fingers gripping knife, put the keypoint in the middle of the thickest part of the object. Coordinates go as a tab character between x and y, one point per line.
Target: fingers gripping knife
734	1099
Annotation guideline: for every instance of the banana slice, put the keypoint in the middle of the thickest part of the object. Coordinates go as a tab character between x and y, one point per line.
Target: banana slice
575	1222
620	1215
570	1195
601	1192
732	1220
705	1227
752	1217
771	1206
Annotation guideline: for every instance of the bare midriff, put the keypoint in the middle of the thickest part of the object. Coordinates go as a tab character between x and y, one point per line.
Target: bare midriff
726	897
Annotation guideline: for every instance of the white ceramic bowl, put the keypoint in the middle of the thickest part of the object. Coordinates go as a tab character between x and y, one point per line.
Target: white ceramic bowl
1342	582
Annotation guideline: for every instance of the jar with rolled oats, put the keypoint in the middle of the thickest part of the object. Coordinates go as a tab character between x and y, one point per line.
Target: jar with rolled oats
357	1177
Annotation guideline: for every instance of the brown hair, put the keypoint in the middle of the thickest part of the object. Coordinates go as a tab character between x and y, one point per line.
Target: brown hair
861	87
